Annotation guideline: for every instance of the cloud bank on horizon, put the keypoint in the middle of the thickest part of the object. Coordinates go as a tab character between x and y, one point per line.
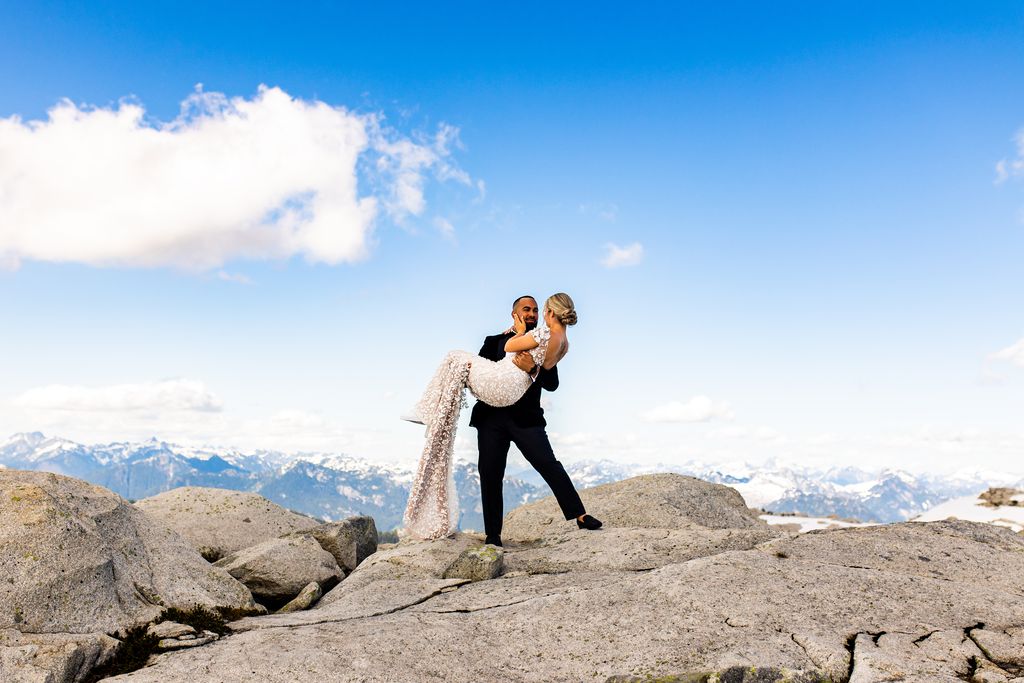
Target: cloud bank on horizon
266	177
166	395
697	409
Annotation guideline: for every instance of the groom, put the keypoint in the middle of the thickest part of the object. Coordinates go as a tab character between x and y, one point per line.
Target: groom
522	424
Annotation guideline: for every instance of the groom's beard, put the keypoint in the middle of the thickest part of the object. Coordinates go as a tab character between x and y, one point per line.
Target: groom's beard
530	326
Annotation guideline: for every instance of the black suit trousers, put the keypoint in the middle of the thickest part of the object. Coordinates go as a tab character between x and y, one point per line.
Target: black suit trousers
494	438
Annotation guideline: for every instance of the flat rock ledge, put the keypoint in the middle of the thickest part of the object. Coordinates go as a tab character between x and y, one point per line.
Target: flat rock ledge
698	590
687	595
938	601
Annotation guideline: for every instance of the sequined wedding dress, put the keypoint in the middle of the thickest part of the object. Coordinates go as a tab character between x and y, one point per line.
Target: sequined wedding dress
433	508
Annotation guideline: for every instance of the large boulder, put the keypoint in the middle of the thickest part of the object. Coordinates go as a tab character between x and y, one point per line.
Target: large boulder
78	558
277	570
221	521
350	541
651	501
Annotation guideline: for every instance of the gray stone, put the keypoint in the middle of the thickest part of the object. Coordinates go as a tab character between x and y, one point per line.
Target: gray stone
476	564
939	657
996	497
187	641
1003	647
277	570
405	560
350	541
390	580
736	674
304	600
801	607
220	521
652	501
170	629
52	657
950	550
78	558
624	549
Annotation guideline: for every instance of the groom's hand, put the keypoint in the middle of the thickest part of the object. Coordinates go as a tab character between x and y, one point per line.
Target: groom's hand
524	361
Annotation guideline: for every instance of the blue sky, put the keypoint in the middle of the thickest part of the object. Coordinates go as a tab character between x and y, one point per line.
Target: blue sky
829	256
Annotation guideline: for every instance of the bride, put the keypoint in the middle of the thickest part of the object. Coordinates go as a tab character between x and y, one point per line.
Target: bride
433	506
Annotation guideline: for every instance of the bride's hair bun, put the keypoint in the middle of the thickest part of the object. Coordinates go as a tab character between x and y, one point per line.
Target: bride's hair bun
562	307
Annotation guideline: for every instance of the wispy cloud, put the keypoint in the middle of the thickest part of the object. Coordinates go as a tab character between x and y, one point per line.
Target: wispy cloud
237	278
1014	166
620	257
1011	354
445	227
697	409
172	395
605	211
270	176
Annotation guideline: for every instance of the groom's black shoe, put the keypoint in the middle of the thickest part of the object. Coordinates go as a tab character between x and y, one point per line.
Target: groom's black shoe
589	522
491	540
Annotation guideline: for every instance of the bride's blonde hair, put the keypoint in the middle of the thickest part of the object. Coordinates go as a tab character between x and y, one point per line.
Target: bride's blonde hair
562	307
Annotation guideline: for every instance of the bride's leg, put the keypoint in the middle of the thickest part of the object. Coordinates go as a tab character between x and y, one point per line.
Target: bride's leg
427	405
432	511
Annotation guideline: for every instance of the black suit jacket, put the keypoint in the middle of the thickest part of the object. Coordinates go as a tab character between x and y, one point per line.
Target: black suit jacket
526	412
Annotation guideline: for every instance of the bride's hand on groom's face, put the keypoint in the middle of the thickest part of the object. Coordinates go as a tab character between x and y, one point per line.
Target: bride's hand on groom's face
518	324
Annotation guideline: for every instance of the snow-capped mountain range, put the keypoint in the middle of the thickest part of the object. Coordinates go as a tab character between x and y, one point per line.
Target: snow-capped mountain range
334	486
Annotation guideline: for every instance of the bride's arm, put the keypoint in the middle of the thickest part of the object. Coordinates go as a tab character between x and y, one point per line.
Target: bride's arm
523	342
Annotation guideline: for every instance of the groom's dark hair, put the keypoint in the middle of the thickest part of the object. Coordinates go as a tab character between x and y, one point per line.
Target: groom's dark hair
524	296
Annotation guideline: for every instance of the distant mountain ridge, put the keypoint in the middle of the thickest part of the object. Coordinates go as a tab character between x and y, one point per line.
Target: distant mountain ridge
334	486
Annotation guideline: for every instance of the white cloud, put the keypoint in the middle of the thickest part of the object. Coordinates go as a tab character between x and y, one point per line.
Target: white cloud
267	177
757	433
1011	167
584	439
288	421
173	412
172	395
1001	173
618	257
445	227
1011	354
605	211
233	277
697	409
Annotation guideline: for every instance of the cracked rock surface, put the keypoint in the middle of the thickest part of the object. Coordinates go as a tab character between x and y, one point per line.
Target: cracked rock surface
914	602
